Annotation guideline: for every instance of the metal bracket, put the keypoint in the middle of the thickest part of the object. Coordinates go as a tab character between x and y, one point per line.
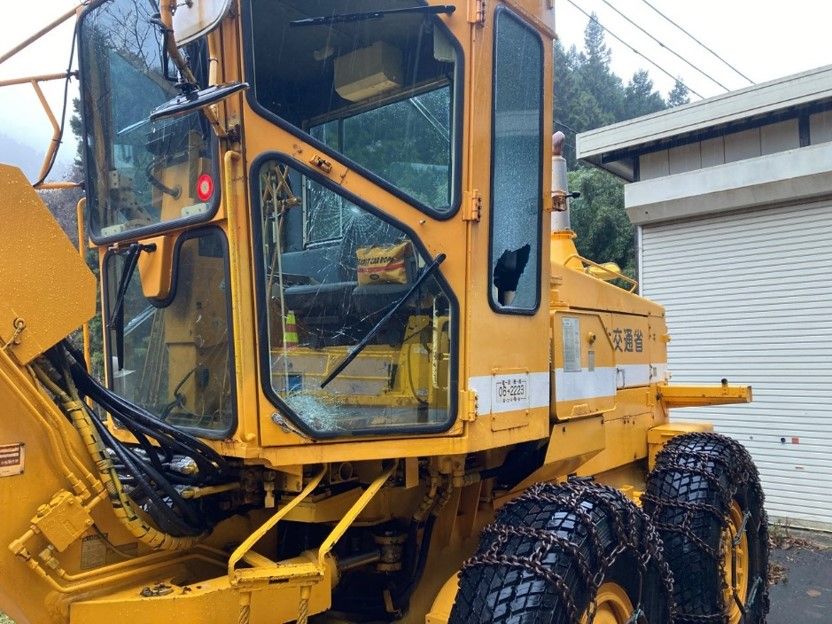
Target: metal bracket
741	530
321	163
559	200
19	326
636	617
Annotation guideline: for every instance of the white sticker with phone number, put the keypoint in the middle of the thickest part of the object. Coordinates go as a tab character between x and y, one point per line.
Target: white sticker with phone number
510	392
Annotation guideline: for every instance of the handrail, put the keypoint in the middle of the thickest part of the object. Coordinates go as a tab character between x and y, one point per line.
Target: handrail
46	29
354	511
55	141
614	274
269	524
35	82
310	565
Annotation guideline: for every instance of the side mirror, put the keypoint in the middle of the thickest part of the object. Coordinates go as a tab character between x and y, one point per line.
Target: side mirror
192	100
194	18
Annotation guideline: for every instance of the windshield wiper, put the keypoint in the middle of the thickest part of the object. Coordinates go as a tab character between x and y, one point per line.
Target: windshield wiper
116	320
357	349
371	15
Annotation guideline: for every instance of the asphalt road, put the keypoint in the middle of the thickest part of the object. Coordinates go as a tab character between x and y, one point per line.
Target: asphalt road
804	594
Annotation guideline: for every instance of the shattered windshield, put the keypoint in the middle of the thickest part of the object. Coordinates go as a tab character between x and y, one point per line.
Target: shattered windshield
380	91
340	281
140	173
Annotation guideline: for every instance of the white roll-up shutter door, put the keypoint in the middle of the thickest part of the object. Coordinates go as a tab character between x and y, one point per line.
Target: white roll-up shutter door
749	298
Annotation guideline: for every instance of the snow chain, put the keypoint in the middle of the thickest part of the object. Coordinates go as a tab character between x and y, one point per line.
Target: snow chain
696	463
632	528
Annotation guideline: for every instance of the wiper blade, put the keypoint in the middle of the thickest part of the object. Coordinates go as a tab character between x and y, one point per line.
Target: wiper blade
357	349
447	9
116	320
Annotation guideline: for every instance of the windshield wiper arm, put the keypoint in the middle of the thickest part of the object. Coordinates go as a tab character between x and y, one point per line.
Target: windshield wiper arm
357	349
370	15
116	320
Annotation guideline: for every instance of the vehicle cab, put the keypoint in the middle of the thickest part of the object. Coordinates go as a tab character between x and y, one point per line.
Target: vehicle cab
356	245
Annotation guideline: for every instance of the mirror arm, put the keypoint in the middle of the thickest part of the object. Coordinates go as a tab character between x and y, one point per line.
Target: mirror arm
166	8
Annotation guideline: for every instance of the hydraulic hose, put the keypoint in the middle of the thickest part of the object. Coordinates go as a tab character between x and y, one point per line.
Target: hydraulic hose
122	506
176	517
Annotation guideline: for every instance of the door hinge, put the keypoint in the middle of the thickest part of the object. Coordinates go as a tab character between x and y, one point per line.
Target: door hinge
476	12
468	405
472	209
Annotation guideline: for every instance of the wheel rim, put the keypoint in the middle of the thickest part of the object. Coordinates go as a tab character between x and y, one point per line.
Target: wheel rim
613	605
736	580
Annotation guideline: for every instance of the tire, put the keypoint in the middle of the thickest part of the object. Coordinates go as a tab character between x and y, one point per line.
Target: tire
554	550
704	483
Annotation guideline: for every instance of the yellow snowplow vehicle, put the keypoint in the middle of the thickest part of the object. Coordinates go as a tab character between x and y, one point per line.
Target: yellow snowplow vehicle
356	370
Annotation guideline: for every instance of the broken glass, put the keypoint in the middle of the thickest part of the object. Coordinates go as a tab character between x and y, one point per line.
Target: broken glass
516	183
324	295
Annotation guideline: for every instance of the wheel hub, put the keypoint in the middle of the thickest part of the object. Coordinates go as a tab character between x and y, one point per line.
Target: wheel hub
613	605
735	563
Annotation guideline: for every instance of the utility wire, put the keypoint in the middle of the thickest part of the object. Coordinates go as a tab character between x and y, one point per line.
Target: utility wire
697	41
666	47
644	56
566	126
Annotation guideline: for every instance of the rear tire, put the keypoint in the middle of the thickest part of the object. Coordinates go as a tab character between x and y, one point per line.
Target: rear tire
556	550
698	496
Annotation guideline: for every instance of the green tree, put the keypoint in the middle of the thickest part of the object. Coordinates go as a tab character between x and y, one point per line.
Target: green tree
595	76
605	233
640	97
678	95
588	95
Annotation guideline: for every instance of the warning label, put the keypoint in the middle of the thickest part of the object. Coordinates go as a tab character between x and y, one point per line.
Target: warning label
12	457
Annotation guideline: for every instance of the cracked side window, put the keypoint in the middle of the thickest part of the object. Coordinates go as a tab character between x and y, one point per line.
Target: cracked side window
335	275
517	152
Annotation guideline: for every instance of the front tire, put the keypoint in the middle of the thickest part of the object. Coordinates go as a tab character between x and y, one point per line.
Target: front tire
570	553
705	500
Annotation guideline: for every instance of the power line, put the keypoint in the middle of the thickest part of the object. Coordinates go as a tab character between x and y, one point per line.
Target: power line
697	41
644	56
567	126
668	48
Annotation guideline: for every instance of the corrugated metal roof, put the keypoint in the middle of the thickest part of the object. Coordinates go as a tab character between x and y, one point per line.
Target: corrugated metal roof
762	99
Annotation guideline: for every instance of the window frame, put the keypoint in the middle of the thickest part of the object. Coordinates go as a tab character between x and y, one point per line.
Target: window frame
503	10
211	434
457	117
89	170
262	312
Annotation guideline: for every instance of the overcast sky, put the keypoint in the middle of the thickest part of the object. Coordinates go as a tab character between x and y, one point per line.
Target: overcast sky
764	40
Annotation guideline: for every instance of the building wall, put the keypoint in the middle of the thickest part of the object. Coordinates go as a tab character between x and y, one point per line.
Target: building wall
765	139
749	298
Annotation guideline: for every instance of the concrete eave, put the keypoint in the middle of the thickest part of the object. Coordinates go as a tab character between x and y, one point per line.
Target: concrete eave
600	147
794	176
